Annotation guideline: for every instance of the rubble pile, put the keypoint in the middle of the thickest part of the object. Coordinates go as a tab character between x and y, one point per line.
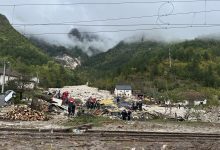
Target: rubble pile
40	105
112	107
211	115
25	114
206	115
83	92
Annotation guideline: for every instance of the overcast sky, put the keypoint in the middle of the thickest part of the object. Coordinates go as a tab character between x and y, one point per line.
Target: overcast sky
73	13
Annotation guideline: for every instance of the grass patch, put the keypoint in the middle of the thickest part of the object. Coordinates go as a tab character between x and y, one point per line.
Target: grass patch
88	119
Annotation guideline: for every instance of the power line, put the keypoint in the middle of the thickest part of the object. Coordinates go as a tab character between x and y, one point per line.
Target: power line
115	19
159	9
103	3
130	30
121	25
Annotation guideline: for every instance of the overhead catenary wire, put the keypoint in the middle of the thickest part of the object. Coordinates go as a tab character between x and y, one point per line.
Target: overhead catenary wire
122	25
102	3
129	30
112	19
162	25
159	16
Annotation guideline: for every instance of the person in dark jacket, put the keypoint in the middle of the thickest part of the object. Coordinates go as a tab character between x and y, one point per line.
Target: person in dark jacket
137	105
71	107
117	100
140	105
87	104
98	104
124	114
133	106
129	114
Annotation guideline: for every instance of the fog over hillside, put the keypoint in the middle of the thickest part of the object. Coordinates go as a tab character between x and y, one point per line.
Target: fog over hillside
89	19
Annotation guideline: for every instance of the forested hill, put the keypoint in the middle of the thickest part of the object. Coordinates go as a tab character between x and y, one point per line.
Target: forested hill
195	65
13	44
29	60
194	70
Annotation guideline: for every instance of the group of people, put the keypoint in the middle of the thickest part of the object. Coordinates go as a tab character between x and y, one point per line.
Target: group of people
126	115
92	103
67	100
137	105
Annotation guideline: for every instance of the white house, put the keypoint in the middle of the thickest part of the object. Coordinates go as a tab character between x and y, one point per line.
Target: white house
12	75
123	90
200	102
187	102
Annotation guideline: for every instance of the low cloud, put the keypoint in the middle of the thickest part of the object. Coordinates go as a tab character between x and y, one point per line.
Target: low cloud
106	40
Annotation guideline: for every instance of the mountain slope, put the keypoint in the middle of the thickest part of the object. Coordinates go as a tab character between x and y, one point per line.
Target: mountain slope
195	66
69	57
29	60
13	44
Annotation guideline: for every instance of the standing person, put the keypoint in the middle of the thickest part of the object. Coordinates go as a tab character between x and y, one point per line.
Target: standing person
58	95
94	103
87	104
129	114
71	107
140	105
137	105
65	97
98	104
133	106
90	103
117	99
124	114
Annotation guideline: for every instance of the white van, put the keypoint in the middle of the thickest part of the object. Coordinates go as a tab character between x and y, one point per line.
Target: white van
6	97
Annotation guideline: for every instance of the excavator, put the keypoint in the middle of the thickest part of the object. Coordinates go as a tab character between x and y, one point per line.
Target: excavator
6	97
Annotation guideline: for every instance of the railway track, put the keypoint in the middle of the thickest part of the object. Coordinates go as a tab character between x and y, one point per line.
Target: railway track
6	133
96	139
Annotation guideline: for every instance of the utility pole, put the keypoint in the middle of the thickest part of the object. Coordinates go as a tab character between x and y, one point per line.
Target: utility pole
38	80
4	70
170	59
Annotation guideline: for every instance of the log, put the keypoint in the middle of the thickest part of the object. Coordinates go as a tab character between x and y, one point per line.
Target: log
25	114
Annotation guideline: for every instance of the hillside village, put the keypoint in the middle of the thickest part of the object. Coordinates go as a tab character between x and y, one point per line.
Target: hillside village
139	87
112	103
165	93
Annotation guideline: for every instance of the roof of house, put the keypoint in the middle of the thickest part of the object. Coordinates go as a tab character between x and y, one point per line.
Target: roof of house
9	72
123	87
